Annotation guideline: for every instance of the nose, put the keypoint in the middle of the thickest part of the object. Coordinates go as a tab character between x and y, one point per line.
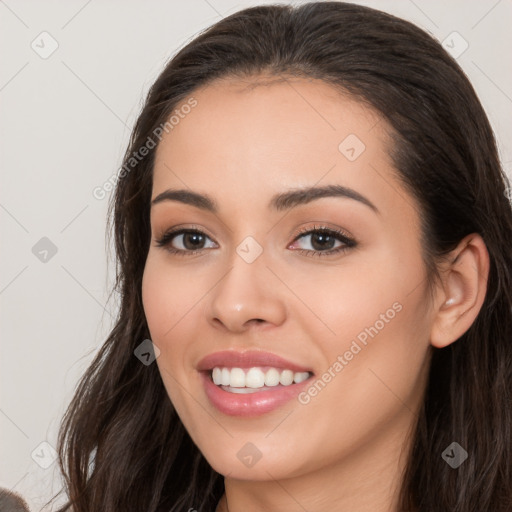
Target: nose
248	295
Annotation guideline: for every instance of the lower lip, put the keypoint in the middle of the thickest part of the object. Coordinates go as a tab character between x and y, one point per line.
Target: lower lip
250	404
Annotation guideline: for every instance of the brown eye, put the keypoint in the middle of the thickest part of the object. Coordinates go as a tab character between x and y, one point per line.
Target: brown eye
323	241
189	241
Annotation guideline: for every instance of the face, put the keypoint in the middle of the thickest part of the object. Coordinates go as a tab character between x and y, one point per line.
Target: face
332	283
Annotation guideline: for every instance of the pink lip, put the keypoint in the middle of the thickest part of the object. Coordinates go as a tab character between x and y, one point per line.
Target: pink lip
248	359
250	404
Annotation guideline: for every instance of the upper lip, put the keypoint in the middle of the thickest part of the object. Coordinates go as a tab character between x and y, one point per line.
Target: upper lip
247	359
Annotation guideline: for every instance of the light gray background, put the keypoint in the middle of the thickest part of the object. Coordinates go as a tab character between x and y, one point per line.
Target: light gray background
65	123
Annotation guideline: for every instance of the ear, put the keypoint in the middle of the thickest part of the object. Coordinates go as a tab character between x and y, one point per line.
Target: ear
464	285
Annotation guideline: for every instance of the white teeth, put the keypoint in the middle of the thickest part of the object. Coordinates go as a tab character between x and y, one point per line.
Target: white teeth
300	376
255	377
272	377
286	377
237	378
226	377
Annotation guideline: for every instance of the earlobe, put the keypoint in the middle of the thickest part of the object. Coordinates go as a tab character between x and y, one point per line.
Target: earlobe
462	292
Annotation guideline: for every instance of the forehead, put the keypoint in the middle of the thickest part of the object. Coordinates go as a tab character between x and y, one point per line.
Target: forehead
267	134
283	110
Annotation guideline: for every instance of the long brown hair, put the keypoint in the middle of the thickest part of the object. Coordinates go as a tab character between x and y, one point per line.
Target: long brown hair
122	445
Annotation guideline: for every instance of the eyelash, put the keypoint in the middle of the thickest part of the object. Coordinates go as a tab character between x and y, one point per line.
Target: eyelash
166	239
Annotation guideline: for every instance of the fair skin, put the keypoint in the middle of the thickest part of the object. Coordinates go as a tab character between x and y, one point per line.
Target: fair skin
240	146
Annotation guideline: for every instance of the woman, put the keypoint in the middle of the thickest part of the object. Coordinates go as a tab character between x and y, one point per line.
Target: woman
313	238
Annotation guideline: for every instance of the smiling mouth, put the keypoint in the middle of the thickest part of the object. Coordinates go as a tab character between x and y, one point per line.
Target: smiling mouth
255	379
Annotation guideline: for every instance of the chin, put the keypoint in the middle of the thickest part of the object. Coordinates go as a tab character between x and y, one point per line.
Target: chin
245	463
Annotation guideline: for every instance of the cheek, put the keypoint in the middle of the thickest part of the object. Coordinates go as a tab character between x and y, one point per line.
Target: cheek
377	350
374	365
340	302
166	301
370	314
172	300
169	297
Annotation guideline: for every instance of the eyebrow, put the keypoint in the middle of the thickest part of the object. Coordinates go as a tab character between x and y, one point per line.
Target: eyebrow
279	202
